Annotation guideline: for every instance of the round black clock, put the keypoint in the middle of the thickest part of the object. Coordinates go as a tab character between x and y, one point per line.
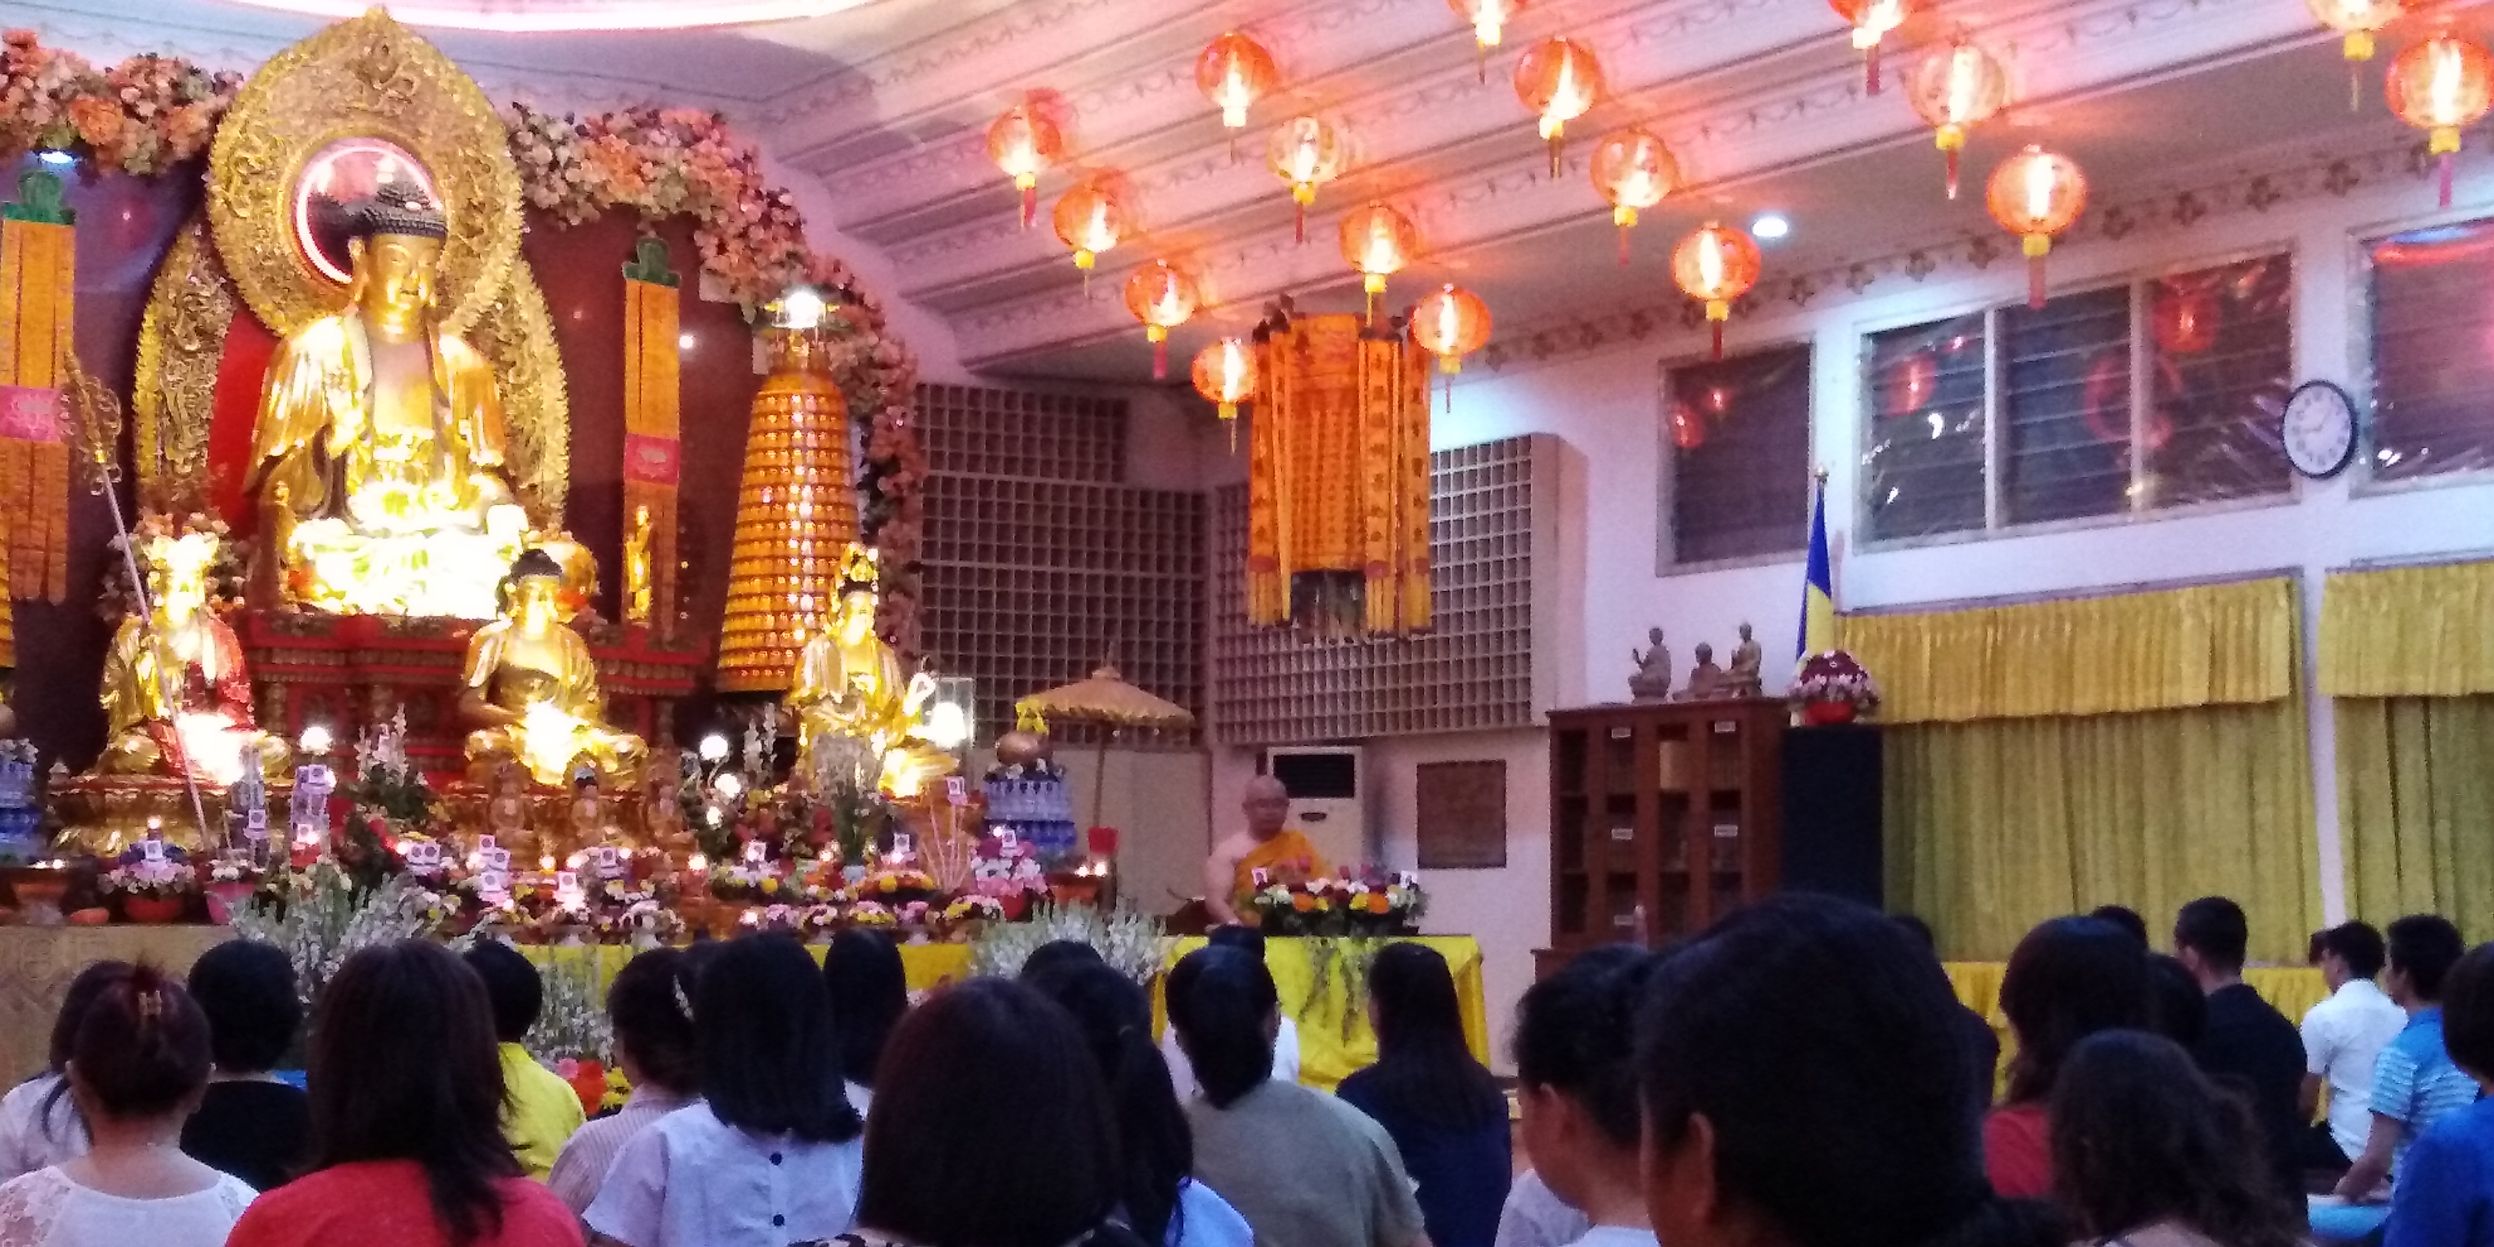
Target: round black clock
2318	429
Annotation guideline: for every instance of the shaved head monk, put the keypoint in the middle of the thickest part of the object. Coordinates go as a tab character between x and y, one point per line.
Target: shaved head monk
1267	852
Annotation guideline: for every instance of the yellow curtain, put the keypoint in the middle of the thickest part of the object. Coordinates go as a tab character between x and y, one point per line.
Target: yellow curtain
2409	632
2216	644
2416	807
1995	826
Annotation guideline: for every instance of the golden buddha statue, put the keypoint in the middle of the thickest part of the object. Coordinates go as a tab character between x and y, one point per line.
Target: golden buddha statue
533	687
848	686
176	697
378	454
637	568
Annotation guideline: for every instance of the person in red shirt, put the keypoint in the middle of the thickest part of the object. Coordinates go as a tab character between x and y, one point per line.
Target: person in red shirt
407	1144
2068	979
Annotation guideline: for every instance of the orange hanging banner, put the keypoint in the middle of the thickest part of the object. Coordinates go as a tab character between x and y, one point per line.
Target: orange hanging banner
653	420
38	277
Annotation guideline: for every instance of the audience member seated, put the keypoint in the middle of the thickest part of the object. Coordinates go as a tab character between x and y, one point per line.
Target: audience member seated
541	1110
869	993
2415	1083
1285	1045
771	1154
1806	1085
1304	1168
136	1068
249	1123
2248	1044
1442	1107
1982	1042
39	1123
2146	1151
969	1147
1576	1074
2445	1196
407	1144
650	1006
2342	1039
2177	1008
2124	919
2068	979
1159	1196
1534	1217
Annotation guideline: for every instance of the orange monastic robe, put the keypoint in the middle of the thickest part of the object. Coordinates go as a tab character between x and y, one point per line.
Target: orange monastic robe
1289	857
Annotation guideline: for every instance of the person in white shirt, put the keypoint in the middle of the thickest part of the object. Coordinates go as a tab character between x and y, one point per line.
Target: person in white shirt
650	1006
1285	1045
1534	1217
1575	1064
39	1123
2342	1038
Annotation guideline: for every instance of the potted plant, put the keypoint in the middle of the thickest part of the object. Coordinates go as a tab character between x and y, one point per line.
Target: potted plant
151	882
1833	688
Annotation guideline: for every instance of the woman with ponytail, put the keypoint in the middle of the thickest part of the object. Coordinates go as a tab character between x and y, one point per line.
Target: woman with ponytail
650	1006
1304	1168
1806	1084
1162	1202
136	1066
1443	1107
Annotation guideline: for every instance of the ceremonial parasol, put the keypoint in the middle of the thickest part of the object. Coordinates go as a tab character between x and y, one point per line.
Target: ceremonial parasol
1105	699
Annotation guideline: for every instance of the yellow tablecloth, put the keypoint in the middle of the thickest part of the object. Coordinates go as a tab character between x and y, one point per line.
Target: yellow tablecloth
2292	990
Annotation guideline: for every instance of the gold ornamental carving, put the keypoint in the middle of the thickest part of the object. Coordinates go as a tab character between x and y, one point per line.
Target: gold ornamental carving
516	333
181	342
369	78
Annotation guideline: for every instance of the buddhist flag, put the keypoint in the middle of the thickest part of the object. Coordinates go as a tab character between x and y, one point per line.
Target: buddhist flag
1818	583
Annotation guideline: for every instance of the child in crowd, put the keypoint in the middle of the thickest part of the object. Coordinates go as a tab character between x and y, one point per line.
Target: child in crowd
2445	1195
543	1109
650	1005
1575	1060
249	1124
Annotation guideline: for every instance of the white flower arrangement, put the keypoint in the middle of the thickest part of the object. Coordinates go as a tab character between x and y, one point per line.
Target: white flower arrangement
1130	942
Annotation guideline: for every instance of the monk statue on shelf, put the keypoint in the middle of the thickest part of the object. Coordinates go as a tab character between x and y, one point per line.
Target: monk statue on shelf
176	696
533	688
378	457
849	692
1651	681
1705	679
1268	852
1745	677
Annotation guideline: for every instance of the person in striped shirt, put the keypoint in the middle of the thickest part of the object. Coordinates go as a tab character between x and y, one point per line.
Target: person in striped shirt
651	1006
2415	1083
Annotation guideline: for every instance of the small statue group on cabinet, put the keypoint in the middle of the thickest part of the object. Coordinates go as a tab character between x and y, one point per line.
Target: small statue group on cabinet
1652	679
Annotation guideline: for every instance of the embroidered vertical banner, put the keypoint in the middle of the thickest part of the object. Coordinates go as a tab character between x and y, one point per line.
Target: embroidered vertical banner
653	413
38	277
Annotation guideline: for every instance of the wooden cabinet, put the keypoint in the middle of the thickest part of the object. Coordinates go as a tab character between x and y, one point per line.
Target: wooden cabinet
1663	817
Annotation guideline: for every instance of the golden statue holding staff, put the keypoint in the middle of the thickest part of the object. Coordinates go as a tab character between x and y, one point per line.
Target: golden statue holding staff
849	686
533	687
176	697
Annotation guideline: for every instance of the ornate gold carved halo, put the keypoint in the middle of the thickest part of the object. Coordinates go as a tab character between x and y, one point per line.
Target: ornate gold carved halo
369	77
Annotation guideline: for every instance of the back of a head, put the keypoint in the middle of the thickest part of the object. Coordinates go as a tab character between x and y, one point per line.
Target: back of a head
2123	919
650	1004
2068	979
2423	948
1913	925
1056	953
2358	945
89	984
246	989
1424	1066
2140	1135
968	1148
2177	1008
869	993
1245	939
1576	1033
404	1068
1222	1002
141	1051
512	986
1824	1049
2468	1013
2216	929
770	1053
1156	1147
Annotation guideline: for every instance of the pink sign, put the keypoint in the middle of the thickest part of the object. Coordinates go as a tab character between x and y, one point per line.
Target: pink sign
30	413
650	459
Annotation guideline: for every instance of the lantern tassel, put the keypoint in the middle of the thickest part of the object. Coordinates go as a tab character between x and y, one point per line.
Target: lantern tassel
1718	327
1300	228
2355	87
1555	141
2448	159
1870	69
1952	173
1480	57
1623	246
1030	206
1160	359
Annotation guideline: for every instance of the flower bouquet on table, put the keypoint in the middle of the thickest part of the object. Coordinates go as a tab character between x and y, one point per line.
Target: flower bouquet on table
968	915
1369	905
639	920
151	882
1833	687
1009	872
897	886
873	916
782	918
232	879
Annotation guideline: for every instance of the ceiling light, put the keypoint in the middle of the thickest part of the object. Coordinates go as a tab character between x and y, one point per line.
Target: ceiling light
529	16
1770	227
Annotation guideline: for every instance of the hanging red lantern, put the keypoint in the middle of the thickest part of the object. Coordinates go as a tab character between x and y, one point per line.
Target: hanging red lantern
1956	89
1633	170
2440	86
1716	265
1489	20
1306	152
1090	219
1024	143
1225	373
2359	21
1450	323
2185	316
1910	382
1871	21
1163	298
1378	241
1234	72
2037	195
1560	81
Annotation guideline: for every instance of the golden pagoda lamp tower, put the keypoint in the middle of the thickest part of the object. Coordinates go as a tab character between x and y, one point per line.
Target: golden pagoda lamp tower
796	509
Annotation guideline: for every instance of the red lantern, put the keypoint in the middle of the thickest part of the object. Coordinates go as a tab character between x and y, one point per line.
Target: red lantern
1225	373
1489	20
2440	86
1716	265
1378	241
1234	72
1633	170
1090	219
1956	89
2184	316
1450	323
2359	21
2037	195
1560	81
1871	21
1162	298
1910	382
1306	152
1023	144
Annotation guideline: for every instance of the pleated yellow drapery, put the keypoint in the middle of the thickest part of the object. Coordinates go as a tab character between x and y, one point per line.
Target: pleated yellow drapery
2409	632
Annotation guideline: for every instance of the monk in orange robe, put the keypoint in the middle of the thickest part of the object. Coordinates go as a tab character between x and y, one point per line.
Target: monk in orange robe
1282	854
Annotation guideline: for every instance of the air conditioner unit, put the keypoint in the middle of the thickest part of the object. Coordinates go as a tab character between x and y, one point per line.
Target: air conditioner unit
1328	798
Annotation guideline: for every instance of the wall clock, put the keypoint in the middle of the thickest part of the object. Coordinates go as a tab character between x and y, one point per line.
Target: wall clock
2318	429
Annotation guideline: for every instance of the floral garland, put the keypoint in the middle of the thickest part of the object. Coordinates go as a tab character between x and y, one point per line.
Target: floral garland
138	117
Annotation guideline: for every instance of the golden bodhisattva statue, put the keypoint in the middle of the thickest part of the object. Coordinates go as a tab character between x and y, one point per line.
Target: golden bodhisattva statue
176	696
378	455
637	568
533	688
849	688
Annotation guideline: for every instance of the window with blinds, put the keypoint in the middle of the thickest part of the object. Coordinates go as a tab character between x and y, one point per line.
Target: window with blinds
2433	376
1739	436
2129	399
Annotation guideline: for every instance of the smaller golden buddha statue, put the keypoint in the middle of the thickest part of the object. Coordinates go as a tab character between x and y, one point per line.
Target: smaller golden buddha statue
849	686
637	568
533	687
176	696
